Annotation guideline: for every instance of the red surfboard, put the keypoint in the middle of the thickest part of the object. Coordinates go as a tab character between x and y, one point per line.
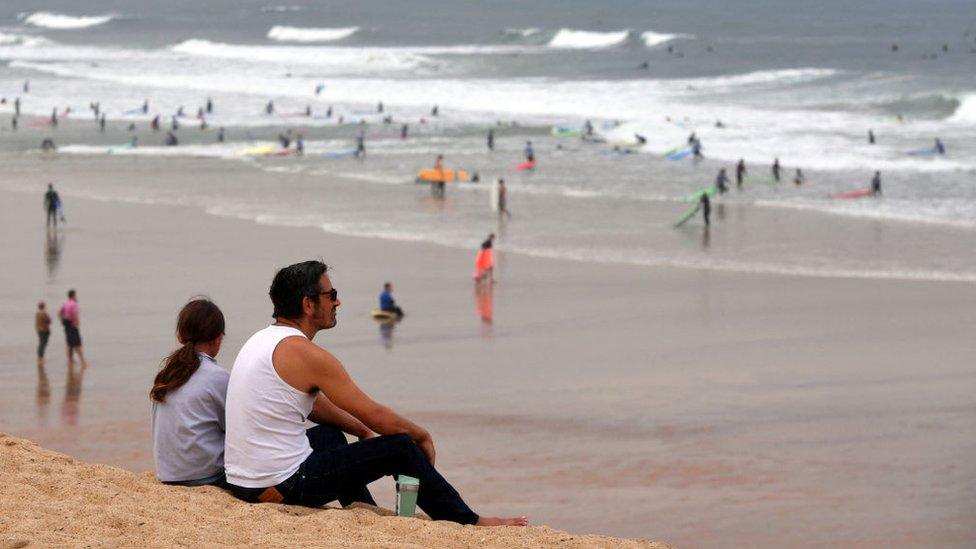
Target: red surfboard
854	194
527	165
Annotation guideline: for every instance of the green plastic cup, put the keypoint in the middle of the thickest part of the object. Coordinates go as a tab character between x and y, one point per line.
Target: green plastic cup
406	500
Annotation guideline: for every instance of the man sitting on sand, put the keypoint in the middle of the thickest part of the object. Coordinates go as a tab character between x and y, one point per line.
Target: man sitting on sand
281	377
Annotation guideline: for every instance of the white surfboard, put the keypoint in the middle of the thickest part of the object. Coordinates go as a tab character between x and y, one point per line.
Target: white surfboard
494	195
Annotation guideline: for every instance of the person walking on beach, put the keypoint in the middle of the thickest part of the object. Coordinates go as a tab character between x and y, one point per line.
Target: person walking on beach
722	181
42	323
503	198
387	303
706	208
776	169
281	377
51	203
70	321
740	172
876	184
361	144
484	263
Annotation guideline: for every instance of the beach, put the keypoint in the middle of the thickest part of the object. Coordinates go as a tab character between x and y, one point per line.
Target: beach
794	369
694	407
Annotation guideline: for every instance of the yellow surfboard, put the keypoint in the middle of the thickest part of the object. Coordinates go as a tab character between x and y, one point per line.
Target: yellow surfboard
434	176
256	150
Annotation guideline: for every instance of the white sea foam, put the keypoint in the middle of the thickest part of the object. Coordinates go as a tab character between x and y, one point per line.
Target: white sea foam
60	21
7	39
297	34
524	33
580	39
281	9
652	38
966	111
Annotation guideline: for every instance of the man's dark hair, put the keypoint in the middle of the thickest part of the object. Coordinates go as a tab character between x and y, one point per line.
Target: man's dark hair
71	294
293	283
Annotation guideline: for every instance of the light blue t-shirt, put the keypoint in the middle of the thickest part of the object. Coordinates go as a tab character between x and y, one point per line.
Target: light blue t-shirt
188	428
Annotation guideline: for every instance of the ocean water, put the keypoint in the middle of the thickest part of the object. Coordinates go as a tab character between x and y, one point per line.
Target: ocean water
802	83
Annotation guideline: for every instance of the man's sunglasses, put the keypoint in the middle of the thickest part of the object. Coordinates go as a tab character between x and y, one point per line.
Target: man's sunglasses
333	294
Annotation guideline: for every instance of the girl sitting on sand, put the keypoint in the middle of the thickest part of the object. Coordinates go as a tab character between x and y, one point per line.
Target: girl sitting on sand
188	398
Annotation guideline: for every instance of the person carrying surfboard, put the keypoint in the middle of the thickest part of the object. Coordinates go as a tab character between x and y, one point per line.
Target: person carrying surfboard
939	147
437	186
740	172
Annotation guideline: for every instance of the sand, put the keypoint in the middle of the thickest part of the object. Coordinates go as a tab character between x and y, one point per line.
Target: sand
50	499
700	408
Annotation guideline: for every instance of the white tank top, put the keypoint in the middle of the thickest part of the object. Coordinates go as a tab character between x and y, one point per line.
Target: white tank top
265	441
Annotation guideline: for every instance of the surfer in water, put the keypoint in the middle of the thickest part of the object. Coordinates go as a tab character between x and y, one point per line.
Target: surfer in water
776	169
641	140
220	135
145	106
435	111
722	181
939	147
876	184
798	179
870	137
171	140
269	108
529	152
696	148
155	123
491	139
706	208
403	131
692	138
740	172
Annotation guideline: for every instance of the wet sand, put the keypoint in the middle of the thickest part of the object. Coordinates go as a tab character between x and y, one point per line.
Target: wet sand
699	408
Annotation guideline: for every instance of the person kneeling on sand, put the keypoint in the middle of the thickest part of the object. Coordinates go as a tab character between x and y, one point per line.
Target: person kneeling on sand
279	379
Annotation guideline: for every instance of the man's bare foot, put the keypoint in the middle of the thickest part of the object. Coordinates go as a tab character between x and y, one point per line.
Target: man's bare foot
490	521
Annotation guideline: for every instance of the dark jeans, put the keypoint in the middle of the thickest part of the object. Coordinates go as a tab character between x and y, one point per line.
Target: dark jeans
343	470
42	338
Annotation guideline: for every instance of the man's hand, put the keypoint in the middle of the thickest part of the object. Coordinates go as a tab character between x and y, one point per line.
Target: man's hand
427	445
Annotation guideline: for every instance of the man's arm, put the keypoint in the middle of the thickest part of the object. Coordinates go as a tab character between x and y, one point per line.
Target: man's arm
313	367
323	411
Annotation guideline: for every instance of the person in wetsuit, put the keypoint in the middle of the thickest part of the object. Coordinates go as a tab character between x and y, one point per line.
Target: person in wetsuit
491	139
721	181
740	172
876	184
939	147
529	152
361	145
696	148
798	179
870	137
51	201
776	169
706	208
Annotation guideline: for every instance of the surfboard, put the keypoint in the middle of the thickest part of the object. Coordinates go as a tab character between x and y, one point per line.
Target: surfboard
710	191
281	152
120	148
264	149
678	155
137	110
759	181
923	152
527	165
687	215
566	131
431	175
494	195
854	194
339	154
380	314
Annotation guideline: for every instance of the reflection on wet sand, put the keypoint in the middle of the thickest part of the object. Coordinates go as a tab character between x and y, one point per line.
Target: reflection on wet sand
43	395
484	297
386	333
52	251
71	407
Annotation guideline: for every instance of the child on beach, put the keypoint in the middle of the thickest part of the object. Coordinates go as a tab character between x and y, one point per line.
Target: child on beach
188	397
